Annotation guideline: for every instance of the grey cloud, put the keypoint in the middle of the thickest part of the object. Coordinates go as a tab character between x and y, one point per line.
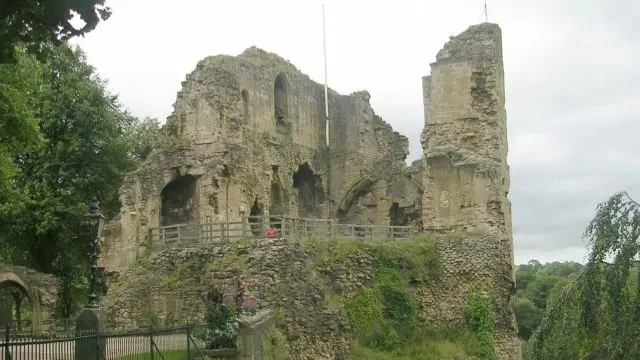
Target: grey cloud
573	111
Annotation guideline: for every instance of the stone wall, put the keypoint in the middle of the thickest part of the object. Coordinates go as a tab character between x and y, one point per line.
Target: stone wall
300	283
247	137
251	332
41	291
168	288
466	176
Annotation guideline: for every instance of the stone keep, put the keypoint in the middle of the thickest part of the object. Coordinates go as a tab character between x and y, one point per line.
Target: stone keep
466	176
247	137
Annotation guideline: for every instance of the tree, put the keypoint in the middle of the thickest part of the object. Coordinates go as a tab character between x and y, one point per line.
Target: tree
597	315
537	285
144	136
85	146
18	124
40	23
528	316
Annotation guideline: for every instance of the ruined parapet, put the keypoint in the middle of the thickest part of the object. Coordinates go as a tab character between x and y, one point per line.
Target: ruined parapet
466	176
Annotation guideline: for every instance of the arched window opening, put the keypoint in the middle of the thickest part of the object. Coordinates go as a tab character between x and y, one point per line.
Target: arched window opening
245	104
310	190
178	201
280	102
255	218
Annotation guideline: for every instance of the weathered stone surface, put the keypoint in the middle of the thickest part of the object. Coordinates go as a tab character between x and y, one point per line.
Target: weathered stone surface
247	136
300	285
466	176
170	285
251	331
41	289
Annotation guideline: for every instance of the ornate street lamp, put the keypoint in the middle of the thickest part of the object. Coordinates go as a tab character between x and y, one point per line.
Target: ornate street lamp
91	321
97	221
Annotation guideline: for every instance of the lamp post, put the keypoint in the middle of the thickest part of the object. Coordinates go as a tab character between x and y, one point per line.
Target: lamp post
90	324
97	220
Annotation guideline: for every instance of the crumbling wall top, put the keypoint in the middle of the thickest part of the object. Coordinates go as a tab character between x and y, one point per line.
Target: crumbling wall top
478	42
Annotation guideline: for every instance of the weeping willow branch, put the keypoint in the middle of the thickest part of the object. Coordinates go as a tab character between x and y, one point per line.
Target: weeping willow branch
596	315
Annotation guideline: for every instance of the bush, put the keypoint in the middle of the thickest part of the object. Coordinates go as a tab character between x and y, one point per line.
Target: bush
274	346
481	321
384	315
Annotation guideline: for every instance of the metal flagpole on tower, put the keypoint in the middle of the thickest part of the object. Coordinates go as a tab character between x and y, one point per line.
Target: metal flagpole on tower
326	113
486	12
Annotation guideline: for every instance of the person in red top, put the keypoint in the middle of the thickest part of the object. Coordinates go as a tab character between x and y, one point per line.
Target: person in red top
271	233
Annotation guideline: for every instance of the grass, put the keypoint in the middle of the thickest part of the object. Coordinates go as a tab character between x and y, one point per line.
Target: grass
425	350
425	344
166	355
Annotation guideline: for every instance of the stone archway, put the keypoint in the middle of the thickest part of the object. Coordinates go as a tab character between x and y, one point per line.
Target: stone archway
361	191
16	305
40	290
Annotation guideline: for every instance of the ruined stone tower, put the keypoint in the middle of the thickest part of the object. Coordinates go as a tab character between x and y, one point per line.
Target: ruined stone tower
466	176
465	135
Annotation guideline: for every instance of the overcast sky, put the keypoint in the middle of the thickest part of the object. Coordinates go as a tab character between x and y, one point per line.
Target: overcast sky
571	68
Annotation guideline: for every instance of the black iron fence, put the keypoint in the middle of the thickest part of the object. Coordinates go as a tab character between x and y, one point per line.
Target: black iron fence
142	344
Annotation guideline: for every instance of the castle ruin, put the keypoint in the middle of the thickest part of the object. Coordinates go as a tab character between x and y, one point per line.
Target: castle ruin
247	138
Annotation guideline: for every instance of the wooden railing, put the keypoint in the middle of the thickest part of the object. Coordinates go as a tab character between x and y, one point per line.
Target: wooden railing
256	227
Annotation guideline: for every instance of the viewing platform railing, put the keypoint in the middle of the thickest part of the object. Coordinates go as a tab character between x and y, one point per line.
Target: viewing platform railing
256	227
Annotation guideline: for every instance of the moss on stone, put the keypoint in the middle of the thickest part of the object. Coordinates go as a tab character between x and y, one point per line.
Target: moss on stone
275	346
185	273
418	256
383	313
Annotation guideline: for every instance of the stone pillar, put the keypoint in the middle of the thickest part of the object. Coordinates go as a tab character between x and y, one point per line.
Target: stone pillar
5	316
90	328
251	330
466	176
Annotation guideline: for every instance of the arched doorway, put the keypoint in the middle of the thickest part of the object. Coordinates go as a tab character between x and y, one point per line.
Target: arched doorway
397	216
310	190
16	306
178	201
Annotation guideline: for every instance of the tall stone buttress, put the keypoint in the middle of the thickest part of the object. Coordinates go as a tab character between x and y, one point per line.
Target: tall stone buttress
466	176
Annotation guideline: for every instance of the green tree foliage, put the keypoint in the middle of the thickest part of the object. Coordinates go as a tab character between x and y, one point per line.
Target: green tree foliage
536	284
597	315
43	22
18	123
144	136
69	140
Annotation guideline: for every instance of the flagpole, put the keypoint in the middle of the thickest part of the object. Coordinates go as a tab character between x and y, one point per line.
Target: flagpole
326	112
